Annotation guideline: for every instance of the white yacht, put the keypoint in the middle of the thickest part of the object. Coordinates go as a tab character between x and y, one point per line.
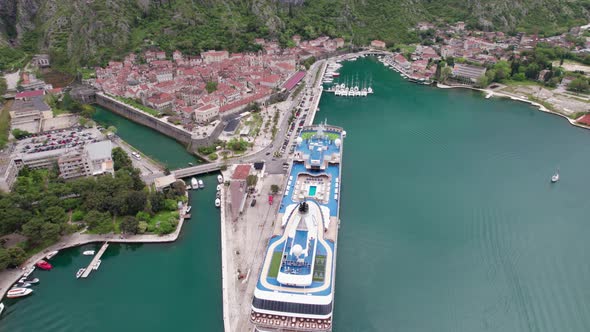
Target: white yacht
194	183
79	273
33	281
88	253
219	178
18	292
201	184
51	254
217	202
555	177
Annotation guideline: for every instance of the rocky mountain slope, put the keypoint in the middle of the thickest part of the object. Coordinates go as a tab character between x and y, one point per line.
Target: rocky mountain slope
80	32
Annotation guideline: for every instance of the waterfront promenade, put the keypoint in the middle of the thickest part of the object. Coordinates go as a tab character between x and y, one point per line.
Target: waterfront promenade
9	277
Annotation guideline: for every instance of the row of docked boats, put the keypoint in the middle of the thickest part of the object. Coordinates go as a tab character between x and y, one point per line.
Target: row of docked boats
197	183
345	91
21	287
331	72
218	194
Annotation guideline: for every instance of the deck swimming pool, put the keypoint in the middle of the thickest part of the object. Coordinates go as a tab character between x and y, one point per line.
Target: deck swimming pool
312	190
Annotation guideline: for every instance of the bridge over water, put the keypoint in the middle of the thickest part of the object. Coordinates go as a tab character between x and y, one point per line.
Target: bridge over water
196	170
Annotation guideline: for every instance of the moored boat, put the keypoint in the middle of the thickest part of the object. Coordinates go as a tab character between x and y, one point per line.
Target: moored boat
220	178
18	292
217	202
1	308
96	265
79	273
23	285
555	177
201	184
32	281
218	187
188	209
51	254
194	183
43	265
88	253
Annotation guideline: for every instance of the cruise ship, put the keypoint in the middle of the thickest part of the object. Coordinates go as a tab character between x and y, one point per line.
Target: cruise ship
295	289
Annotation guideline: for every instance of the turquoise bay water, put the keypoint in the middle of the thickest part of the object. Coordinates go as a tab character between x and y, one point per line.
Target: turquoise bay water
449	223
157	146
458	227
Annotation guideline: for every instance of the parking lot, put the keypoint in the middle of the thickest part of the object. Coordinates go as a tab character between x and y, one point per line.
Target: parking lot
57	139
295	127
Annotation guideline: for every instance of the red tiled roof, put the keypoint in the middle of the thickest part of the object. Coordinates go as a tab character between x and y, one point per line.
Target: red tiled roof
29	94
292	82
585	120
241	172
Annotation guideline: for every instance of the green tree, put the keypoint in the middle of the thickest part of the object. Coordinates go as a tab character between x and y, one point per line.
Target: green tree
18	134
130	225
99	221
4	259
55	214
3	88
502	71
482	82
445	73
579	85
157	201
136	201
50	232
17	256
33	230
121	159
274	189
211	86
251	180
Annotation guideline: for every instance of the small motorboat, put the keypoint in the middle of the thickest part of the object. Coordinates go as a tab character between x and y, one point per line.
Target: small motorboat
51	254
188	209
190	164
555	177
79	273
220	179
218	187
97	265
32	281
1	308
194	183
217	202
18	292
22	285
218	194
88	253
201	184
43	265
28	272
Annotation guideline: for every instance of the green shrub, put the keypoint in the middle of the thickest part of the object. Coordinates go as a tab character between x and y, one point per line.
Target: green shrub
77	215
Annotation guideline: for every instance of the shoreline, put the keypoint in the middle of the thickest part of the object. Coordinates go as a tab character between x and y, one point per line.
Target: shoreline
224	272
10	277
492	93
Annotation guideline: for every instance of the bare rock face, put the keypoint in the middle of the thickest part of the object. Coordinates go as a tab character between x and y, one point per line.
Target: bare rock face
17	17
